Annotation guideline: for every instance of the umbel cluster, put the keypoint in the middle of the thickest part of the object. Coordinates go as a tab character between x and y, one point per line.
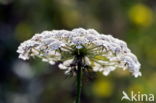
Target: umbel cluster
100	52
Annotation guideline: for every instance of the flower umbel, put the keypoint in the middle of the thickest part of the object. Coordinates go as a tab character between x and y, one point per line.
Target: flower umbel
103	53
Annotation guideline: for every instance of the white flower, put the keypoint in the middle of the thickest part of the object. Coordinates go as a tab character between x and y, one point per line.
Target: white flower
79	40
61	66
108	69
103	53
56	45
87	61
67	62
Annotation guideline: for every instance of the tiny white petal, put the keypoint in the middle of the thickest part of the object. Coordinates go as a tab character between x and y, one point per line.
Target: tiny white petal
68	62
87	61
52	62
61	66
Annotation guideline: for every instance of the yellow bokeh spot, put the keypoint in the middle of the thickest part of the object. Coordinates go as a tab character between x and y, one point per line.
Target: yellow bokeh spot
103	88
141	15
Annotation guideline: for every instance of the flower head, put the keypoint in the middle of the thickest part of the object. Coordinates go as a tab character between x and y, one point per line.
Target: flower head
100	52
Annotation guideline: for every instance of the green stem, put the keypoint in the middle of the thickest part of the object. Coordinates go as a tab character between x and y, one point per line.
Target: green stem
79	83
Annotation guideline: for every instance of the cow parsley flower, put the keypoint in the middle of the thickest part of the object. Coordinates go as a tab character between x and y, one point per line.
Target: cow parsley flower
103	53
79	50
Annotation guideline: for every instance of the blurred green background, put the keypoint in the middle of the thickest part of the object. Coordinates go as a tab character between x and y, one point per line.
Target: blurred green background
36	82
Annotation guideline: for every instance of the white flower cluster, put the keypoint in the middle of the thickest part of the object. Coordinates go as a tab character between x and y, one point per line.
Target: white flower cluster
102	52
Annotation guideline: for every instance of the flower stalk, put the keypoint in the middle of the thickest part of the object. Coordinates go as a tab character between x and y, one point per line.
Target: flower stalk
79	82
